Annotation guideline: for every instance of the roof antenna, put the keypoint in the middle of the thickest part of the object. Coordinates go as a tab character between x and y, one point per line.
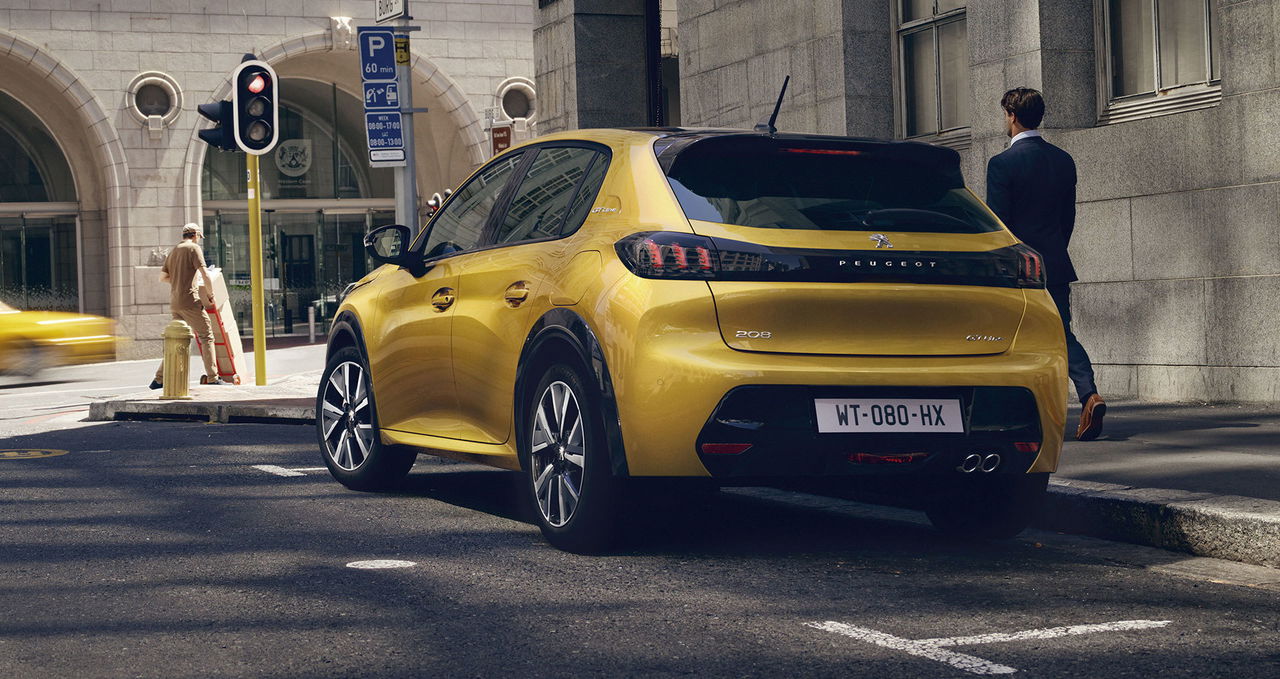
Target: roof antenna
767	125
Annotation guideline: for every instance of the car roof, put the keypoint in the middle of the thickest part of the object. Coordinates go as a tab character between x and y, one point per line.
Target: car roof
670	142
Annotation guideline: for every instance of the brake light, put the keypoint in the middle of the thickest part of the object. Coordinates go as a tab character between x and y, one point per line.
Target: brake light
1030	267
1027	446
896	458
663	254
824	152
725	448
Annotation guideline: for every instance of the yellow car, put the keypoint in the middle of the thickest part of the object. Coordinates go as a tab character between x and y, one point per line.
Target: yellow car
600	306
31	341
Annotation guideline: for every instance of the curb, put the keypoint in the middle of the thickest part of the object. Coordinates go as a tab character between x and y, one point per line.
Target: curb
286	411
1229	527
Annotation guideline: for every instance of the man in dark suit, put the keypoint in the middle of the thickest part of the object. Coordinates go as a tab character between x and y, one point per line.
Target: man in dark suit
1031	186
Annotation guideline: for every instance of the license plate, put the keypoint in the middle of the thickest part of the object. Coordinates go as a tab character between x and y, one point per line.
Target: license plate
880	415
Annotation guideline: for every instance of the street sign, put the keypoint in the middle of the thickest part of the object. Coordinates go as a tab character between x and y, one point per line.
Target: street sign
386	10
381	96
501	136
386	137
377	53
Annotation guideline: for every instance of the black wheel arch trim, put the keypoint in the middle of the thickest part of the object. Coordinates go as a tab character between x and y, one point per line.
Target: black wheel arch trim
346	321
562	324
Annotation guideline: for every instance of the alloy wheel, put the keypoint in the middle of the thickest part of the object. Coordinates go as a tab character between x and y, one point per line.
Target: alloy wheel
347	416
557	453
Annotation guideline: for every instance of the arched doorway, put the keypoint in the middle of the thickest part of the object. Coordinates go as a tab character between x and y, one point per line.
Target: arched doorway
39	263
319	194
65	172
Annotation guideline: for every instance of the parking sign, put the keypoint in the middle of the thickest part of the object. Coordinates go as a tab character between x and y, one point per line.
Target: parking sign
382	104
377	53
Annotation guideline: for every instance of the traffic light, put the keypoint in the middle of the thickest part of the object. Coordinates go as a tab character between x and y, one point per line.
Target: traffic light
219	136
255	107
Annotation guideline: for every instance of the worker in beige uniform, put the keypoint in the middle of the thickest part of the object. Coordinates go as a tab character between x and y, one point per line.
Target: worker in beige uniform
179	270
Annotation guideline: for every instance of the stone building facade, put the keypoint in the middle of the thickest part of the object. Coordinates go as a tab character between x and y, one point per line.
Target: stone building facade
1170	108
102	163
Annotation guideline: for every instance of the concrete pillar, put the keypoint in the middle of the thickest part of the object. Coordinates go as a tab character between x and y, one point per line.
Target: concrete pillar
589	63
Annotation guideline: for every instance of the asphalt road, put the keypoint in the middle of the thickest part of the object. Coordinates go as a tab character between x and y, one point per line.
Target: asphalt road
162	550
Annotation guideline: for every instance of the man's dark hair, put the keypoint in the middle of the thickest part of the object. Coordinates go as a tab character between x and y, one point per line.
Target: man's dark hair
1026	104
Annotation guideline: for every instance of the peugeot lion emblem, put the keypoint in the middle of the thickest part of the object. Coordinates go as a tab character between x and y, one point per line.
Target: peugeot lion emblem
881	241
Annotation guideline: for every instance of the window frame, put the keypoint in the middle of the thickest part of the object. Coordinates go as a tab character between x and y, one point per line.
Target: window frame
499	212
957	138
1160	100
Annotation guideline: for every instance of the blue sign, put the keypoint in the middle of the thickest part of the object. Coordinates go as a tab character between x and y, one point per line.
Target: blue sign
381	96
386	136
377	53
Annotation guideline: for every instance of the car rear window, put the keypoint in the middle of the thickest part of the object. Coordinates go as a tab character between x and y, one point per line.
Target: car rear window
804	184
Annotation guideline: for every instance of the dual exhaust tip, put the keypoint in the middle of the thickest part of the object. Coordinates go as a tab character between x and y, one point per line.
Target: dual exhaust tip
976	462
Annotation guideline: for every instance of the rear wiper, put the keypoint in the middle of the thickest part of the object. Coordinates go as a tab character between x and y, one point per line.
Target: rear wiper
893	216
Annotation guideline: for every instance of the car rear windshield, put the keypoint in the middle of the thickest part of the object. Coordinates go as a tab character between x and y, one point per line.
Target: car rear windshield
780	184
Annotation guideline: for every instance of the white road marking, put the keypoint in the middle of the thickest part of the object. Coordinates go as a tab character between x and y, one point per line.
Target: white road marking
310	469
278	471
933	648
1048	633
381	563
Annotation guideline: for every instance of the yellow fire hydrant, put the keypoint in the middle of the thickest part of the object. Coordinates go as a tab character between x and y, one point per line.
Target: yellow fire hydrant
177	358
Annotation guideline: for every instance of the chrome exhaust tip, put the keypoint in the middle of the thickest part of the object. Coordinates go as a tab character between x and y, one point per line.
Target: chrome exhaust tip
990	462
971	463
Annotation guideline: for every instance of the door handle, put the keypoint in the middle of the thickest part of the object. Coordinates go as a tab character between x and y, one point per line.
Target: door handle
442	299
516	293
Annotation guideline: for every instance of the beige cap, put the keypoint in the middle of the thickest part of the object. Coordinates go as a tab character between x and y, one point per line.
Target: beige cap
192	228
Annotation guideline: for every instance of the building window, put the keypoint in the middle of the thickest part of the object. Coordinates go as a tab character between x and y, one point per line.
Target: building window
933	54
1160	57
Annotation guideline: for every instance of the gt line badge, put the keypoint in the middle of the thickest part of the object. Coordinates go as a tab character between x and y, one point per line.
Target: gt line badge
881	241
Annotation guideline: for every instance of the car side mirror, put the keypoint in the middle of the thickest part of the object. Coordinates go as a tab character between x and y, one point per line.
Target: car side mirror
386	244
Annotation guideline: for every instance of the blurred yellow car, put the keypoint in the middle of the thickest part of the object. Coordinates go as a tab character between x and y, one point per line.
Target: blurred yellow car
31	341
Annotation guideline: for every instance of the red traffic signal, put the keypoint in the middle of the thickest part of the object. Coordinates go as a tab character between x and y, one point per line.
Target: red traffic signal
255	107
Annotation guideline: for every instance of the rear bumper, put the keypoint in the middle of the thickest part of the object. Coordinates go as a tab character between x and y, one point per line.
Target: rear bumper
1002	435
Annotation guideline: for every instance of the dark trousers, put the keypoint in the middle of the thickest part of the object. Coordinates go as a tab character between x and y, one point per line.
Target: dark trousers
1079	368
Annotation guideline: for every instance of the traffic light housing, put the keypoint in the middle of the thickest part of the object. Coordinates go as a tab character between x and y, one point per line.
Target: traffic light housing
255	107
219	136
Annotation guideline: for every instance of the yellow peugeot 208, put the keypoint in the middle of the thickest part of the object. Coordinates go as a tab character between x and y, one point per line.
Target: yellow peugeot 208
737	306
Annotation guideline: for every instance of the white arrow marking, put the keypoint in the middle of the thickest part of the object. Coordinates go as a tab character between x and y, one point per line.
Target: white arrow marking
278	471
1048	633
933	648
282	471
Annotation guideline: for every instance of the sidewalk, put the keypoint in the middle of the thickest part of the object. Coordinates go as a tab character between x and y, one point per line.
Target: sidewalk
1202	479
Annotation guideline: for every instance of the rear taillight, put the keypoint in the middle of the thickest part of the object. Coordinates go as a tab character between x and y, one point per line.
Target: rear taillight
1030	266
664	254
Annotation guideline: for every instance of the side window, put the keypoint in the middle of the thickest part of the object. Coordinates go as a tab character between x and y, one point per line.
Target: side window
461	224
586	196
538	207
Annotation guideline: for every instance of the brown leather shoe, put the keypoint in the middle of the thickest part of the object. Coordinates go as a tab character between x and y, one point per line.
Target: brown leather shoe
1091	418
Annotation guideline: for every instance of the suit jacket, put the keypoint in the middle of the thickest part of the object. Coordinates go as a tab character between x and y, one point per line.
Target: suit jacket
1031	186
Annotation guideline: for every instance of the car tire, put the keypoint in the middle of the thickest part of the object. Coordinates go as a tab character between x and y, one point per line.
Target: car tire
996	508
347	426
569	482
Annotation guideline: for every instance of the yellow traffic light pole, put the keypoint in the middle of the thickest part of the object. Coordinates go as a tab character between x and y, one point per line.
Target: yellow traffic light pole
255	275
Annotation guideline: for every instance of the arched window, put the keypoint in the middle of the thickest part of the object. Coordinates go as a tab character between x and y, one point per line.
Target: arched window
38	258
